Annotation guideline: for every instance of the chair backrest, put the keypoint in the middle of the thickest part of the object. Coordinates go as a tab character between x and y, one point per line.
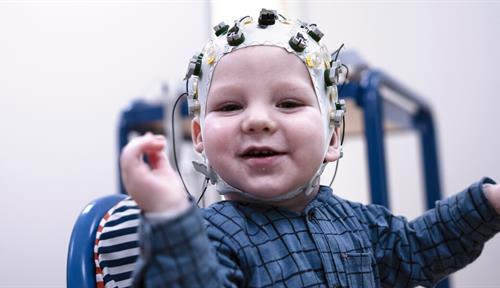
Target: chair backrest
80	270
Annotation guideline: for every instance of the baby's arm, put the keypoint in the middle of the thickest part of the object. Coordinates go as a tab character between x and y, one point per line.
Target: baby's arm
176	250
443	240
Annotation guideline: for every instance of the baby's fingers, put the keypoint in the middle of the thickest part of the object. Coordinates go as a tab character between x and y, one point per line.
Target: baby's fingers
148	144
492	193
158	160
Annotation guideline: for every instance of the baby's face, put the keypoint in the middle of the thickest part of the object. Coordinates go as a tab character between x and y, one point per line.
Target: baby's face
263	129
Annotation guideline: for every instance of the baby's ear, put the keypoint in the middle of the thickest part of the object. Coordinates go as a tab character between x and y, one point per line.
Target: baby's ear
333	152
196	135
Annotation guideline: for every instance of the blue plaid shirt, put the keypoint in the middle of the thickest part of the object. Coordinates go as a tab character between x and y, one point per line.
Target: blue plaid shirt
333	243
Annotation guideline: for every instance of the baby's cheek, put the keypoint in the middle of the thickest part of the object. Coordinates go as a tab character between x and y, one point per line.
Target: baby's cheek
217	140
311	132
310	142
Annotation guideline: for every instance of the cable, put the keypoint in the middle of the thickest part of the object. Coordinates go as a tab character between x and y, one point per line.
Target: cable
343	131
173	142
341	144
243	18
334	173
283	17
336	53
174	150
205	186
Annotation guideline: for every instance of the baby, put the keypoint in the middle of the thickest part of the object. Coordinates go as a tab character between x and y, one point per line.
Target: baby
267	122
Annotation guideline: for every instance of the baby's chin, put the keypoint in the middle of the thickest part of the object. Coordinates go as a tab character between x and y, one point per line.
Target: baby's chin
296	203
260	193
250	197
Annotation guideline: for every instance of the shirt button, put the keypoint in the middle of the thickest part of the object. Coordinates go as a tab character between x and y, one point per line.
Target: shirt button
310	215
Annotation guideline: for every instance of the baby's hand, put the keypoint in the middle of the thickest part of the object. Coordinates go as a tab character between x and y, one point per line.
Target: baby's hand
492	193
155	187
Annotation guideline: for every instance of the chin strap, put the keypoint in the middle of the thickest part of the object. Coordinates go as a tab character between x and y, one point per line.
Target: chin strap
208	172
223	188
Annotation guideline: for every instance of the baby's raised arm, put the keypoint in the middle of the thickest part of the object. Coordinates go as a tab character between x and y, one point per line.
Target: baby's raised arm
155	187
441	241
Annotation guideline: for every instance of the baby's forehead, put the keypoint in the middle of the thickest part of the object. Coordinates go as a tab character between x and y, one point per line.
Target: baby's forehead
261	65
260	55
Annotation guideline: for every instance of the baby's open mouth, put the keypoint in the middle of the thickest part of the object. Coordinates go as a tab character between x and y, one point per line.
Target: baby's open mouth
260	153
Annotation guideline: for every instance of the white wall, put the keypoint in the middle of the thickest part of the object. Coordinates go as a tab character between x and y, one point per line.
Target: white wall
67	69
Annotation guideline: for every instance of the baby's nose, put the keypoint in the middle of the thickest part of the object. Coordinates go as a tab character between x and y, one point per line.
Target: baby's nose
258	119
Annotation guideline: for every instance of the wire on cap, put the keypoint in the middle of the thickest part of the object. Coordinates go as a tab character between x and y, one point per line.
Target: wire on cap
246	20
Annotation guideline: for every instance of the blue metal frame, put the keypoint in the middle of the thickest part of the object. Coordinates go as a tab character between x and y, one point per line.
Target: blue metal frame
367	95
138	113
80	269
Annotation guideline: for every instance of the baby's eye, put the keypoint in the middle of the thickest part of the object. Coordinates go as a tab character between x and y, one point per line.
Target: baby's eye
229	107
288	104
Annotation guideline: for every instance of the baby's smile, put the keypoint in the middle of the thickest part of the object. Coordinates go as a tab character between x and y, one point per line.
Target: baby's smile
261	157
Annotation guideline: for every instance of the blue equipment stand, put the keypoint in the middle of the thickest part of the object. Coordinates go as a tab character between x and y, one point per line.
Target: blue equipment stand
406	109
140	117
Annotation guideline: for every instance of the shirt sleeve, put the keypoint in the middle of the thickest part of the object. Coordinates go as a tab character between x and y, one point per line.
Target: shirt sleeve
179	252
441	241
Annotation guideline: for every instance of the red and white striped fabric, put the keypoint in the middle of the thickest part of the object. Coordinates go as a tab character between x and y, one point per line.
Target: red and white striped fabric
116	248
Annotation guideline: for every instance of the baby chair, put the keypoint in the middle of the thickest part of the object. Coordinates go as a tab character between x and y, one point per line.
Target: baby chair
80	270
